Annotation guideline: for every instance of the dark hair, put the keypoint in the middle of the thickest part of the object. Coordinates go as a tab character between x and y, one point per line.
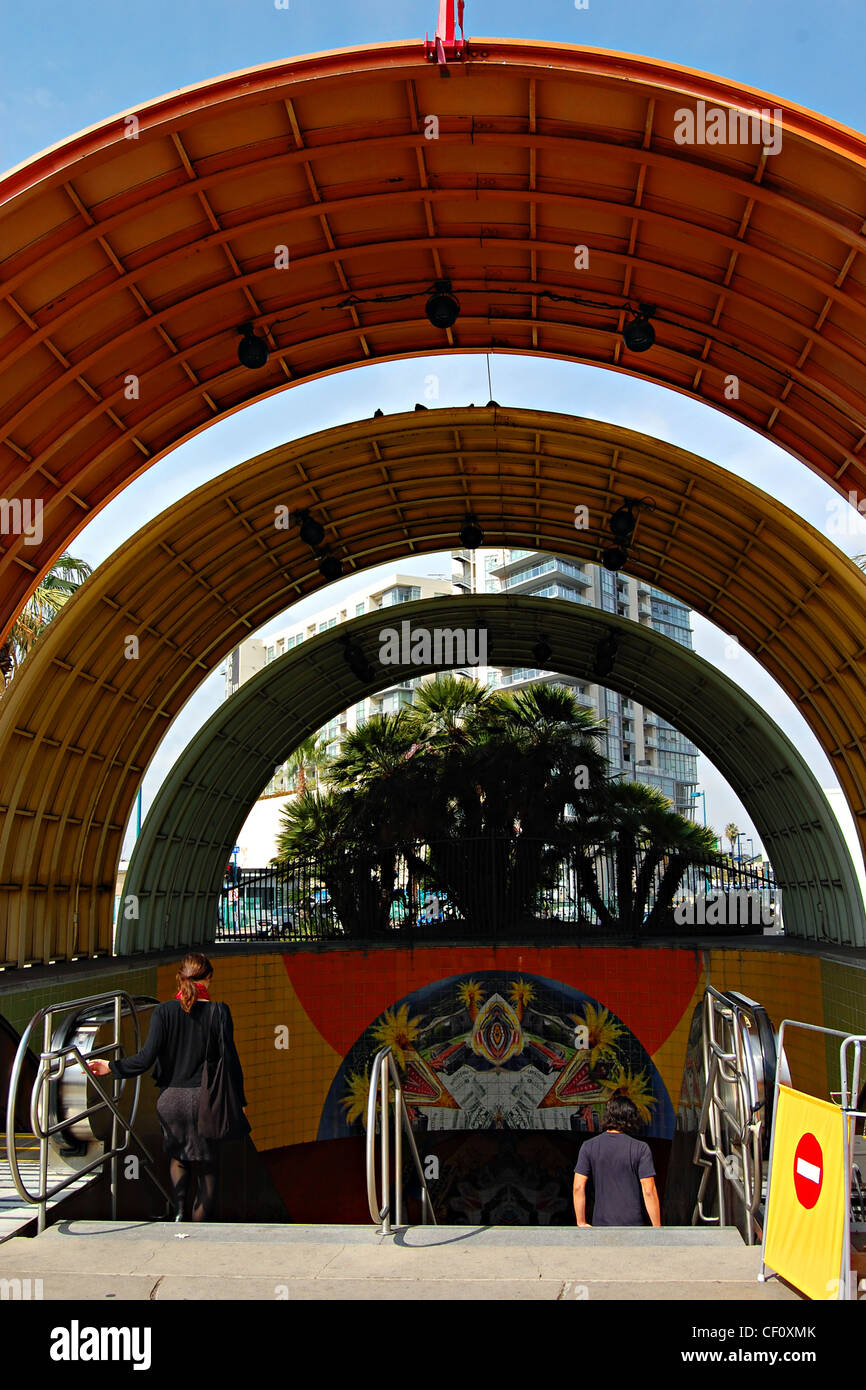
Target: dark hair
193	967
621	1113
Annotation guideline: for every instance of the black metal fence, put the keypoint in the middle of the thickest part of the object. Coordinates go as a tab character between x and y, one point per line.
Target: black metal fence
494	887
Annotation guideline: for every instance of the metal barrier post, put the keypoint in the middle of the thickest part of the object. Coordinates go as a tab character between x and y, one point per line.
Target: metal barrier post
44	1074
115	1136
398	1144
382	1070
386	1157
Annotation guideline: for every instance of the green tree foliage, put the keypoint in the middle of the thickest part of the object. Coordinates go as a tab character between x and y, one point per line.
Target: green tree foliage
309	758
498	787
732	834
53	591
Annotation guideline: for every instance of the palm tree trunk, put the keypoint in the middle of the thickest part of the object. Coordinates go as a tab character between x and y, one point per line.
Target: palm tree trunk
652	858
592	893
625	871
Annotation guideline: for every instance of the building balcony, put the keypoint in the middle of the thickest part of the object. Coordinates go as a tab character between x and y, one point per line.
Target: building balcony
520	574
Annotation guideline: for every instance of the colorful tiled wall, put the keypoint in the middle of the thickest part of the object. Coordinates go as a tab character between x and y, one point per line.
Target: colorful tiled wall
21	997
320	1003
789	986
328	999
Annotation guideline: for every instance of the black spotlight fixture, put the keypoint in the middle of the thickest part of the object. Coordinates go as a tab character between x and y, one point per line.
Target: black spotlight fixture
330	567
442	308
605	655
357	661
471	534
623	521
614	557
252	351
542	651
639	334
311	532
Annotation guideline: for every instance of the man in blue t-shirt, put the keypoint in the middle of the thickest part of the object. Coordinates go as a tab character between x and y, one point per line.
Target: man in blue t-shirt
622	1171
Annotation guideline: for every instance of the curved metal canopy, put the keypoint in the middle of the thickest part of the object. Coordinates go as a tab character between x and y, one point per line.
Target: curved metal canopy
83	718
319	198
179	861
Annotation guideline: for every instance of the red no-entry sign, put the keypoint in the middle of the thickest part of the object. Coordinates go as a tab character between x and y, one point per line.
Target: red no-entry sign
808	1171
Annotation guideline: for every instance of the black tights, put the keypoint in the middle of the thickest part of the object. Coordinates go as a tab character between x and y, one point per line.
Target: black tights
205	1198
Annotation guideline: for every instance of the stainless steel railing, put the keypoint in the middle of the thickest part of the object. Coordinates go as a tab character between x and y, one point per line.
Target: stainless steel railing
384	1075
54	1063
730	1137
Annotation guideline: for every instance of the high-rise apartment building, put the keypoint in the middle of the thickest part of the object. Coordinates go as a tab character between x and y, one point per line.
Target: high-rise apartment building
398	588
638	744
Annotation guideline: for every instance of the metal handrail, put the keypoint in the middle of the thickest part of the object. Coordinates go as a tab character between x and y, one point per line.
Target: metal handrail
53	1062
383	1073
735	1068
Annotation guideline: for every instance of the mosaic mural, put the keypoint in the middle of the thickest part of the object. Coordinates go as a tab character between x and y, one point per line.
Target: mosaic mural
501	1051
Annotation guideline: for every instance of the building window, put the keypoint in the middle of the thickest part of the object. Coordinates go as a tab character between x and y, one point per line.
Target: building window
401	593
359	610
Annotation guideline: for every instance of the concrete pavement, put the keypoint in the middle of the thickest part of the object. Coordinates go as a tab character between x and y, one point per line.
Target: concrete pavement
101	1260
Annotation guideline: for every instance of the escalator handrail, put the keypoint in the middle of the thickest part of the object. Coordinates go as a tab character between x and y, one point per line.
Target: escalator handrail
736	1068
47	1075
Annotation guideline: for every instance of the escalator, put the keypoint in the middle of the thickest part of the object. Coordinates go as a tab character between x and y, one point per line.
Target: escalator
721	1146
62	1143
94	1144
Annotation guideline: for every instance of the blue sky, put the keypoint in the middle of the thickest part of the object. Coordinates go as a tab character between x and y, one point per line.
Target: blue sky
66	66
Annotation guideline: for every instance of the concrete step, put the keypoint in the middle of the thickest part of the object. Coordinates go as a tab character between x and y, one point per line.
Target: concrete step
96	1260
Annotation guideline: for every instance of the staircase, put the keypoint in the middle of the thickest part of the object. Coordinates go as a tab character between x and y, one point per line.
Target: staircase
15	1213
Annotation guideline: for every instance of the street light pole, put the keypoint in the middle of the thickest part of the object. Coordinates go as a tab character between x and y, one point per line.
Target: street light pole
703	799
702	796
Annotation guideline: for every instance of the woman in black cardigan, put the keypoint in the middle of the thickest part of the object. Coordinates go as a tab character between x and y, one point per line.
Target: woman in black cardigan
176	1047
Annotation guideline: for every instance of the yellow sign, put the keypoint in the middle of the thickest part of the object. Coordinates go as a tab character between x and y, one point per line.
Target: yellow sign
807	1201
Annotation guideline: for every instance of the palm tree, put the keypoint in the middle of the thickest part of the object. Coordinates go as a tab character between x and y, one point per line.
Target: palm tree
314	823
321	826
649	843
309	756
486	782
732	834
53	591
382	767
444	708
506	779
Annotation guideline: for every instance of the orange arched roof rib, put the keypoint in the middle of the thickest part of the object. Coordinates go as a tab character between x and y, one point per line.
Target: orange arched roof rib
139	258
81	721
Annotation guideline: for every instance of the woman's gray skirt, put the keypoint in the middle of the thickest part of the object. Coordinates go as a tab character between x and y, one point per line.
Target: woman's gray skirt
177	1108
